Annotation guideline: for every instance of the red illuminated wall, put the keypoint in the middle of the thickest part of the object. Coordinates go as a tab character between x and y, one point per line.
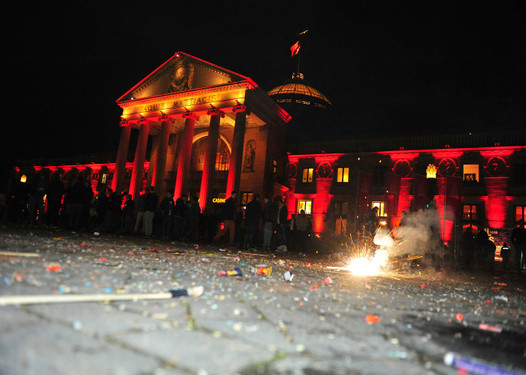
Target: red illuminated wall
496	203
321	204
448	204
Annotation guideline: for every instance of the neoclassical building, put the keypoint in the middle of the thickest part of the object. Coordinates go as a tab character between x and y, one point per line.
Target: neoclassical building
207	131
199	129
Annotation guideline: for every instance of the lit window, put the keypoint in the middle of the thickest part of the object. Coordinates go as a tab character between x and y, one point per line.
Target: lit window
246	197
381	207
274	167
342	175
469	212
471	173
307	175
306	205
519	213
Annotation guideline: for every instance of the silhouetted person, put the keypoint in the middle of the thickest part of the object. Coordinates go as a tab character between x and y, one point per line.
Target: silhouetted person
468	244
180	215
302	227
505	255
75	202
282	221
139	220
269	219
518	238
194	216
129	214
150	207
228	217
167	207
252	217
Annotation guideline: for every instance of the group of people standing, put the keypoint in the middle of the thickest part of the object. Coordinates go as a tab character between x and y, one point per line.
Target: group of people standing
269	219
263	224
480	250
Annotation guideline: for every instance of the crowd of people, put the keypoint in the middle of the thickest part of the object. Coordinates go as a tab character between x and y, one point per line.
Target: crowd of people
266	225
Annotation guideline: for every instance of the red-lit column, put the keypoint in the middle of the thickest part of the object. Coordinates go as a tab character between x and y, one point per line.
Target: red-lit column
236	156
160	164
185	154
205	198
120	163
138	164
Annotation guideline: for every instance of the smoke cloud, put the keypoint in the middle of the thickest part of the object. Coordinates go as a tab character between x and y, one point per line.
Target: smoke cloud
419	234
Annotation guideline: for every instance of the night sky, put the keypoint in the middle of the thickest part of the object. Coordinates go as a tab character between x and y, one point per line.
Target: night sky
391	67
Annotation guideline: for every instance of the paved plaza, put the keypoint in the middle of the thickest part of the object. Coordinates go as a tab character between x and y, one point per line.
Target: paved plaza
321	321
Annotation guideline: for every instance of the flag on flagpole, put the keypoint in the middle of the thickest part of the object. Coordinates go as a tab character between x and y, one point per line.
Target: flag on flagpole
295	49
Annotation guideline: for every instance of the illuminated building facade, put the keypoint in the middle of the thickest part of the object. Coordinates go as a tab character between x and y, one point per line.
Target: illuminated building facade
204	130
470	186
208	131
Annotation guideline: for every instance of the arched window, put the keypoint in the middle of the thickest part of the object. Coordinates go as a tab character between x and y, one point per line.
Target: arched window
199	152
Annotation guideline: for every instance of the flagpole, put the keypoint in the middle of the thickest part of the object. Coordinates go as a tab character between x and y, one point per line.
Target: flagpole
300	35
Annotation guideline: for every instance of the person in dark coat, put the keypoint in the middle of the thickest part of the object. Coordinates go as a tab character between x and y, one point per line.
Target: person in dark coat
167	207
113	213
228	223
282	221
139	220
194	216
269	219
54	193
179	217
150	208
505	254
129	214
518	238
75	201
252	217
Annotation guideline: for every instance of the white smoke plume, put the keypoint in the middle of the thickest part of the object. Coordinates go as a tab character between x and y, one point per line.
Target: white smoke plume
419	235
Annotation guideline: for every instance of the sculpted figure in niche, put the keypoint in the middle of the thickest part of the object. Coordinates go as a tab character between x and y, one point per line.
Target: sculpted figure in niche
250	156
182	76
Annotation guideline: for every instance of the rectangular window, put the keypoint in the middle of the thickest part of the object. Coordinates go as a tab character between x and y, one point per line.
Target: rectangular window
470	212
306	205
471	173
340	209
246	197
381	207
519	213
307	175
342	175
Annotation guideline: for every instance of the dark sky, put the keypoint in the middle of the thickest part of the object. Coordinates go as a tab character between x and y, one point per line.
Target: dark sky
388	67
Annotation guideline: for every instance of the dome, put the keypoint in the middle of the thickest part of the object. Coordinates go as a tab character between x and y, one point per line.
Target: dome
299	91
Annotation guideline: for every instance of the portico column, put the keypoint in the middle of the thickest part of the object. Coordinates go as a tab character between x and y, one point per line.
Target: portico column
150	177
185	154
160	164
205	198
120	163
138	164
236	156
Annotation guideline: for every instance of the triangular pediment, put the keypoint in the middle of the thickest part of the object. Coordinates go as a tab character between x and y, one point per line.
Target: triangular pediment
180	73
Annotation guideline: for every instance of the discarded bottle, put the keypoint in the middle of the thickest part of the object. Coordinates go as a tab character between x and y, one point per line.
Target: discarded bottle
261	269
234	272
475	366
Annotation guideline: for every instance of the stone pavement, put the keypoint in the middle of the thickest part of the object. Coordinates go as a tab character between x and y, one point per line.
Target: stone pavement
322	322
